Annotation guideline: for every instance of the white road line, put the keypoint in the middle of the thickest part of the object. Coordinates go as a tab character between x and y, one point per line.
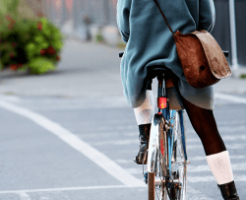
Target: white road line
135	170
232	137
198	179
230	146
204	168
14	99
240	178
195	194
237	122
75	142
230	129
225	129
115	142
23	192
23	195
103	128
123	161
190	158
191	192
136	141
198	158
230	98
107	134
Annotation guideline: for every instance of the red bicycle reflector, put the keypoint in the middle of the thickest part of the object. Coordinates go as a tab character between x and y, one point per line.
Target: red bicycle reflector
162	102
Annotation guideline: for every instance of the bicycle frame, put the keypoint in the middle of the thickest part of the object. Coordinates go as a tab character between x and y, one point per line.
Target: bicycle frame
168	115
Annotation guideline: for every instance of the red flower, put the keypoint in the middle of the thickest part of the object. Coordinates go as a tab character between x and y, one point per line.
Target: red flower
12	55
19	65
51	50
58	58
39	26
11	24
13	67
42	51
8	17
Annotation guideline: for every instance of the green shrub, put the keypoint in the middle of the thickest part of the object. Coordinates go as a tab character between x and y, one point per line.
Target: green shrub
40	65
243	76
99	38
24	43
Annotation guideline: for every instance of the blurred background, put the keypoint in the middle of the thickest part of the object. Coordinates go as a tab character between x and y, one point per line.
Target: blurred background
76	16
95	20
85	19
66	129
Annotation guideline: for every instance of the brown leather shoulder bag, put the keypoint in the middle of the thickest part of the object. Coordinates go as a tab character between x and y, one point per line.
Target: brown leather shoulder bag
201	57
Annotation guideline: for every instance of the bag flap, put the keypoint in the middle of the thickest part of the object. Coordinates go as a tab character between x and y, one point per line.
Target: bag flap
215	56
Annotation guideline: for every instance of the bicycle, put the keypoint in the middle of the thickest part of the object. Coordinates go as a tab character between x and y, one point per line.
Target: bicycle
167	158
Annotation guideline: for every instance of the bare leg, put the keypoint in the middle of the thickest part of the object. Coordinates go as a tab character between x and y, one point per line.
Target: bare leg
217	156
204	123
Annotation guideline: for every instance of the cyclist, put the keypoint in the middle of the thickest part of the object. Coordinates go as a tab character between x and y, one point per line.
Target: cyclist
149	43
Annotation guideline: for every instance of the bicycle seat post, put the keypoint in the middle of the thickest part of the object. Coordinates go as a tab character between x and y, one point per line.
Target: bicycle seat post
162	96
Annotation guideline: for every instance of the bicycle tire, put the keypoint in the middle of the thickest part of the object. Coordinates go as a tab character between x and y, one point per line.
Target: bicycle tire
179	167
156	188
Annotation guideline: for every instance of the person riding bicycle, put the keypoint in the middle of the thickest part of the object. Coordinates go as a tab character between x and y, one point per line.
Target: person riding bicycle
149	43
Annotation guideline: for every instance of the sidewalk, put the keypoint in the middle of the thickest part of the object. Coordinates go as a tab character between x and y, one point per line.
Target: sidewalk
86	70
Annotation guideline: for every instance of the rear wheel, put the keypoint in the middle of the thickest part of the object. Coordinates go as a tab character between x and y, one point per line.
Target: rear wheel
156	186
179	167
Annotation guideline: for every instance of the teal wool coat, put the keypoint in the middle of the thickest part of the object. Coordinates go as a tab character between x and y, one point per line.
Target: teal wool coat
149	42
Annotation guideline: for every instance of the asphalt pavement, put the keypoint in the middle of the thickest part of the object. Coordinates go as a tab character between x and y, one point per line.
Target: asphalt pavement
70	135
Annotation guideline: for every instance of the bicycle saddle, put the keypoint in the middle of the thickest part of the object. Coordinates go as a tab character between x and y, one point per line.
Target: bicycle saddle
160	70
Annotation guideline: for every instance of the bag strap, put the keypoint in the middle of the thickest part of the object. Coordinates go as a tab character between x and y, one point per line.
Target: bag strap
164	17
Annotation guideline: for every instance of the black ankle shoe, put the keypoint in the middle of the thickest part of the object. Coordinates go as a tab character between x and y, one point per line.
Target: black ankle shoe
144	130
228	191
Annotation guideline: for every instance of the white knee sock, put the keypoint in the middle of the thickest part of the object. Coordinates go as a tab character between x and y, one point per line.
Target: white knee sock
144	112
220	166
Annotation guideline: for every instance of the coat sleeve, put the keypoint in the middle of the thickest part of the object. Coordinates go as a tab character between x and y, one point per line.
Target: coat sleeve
206	15
123	13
